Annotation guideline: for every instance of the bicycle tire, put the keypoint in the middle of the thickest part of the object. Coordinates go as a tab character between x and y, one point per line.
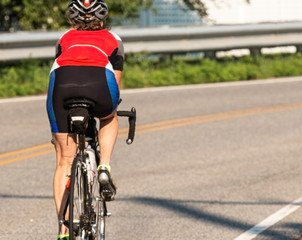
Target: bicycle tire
76	199
100	211
100	222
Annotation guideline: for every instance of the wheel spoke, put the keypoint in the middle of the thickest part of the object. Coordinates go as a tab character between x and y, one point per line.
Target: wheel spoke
76	200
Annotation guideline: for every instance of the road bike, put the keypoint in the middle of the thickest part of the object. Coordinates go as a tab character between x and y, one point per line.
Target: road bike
85	210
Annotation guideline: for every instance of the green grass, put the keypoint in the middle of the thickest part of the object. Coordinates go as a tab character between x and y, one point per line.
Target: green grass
30	77
178	72
25	78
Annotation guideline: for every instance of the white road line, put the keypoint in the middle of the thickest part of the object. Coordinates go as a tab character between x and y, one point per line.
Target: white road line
175	88
271	220
22	99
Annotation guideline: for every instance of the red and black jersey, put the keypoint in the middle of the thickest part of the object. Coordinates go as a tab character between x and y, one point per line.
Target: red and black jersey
90	48
84	67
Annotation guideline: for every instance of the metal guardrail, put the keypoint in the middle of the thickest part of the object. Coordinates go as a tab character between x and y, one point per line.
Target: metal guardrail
169	40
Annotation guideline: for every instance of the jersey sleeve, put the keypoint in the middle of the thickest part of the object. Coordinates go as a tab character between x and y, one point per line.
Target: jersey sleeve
117	57
59	45
58	49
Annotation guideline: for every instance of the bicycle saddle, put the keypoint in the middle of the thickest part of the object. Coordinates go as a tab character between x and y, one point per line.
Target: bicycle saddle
78	102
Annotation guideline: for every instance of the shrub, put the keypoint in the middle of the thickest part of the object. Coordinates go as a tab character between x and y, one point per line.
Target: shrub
31	76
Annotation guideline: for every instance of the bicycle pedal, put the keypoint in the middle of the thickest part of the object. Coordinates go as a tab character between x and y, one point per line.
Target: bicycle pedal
107	196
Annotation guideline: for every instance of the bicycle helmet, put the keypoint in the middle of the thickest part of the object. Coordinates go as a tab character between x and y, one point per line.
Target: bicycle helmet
80	9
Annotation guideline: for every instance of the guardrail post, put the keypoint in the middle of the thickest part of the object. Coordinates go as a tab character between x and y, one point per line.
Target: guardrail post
165	56
210	55
255	52
299	48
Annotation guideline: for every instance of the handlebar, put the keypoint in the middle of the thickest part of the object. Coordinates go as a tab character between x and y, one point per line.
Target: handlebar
132	120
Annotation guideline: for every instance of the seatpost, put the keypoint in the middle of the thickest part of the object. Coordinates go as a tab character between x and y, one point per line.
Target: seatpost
81	142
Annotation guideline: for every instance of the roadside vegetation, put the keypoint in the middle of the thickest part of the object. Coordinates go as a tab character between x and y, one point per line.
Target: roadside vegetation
30	77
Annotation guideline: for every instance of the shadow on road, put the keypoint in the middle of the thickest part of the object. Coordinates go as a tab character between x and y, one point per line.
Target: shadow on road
182	207
11	196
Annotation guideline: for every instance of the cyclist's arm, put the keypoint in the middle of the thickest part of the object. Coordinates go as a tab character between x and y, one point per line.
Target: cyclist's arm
118	77
117	59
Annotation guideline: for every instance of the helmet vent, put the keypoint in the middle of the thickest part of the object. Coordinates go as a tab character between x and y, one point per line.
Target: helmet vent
87	3
81	9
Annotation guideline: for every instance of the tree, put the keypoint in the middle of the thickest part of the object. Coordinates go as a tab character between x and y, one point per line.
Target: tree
127	8
9	10
43	14
197	5
50	14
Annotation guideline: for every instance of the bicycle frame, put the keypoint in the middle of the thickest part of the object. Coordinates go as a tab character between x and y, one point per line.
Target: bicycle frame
91	222
93	217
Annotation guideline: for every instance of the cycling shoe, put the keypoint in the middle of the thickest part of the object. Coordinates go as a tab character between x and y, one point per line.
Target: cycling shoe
107	187
65	237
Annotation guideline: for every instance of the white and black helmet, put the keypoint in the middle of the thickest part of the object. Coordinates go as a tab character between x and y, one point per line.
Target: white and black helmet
80	9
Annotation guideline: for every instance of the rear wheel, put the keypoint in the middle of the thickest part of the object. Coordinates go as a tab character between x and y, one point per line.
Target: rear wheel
77	201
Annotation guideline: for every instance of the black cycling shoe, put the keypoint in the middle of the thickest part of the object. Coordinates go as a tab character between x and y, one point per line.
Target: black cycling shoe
107	187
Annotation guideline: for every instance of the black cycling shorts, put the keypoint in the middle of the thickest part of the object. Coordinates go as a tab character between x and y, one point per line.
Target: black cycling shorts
95	83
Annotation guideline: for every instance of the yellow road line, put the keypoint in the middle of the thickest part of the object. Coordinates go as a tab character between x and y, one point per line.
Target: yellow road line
26	157
31	149
151	127
158	126
16	159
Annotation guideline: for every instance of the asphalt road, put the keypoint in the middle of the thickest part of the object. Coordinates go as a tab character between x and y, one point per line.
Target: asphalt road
208	162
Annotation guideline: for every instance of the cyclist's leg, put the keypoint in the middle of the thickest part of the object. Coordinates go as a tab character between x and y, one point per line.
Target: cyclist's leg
65	145
107	137
109	124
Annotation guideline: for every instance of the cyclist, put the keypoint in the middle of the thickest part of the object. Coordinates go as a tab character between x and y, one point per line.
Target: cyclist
89	63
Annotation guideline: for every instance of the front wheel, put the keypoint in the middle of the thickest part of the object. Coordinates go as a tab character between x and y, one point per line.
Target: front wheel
101	221
100	210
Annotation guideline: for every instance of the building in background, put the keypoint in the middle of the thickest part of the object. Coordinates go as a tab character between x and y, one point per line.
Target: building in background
257	11
174	12
167	12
